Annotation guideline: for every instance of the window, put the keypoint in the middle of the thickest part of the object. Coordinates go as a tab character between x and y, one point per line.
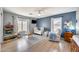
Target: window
56	24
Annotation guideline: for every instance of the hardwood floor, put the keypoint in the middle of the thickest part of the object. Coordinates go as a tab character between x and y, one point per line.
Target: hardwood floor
23	45
47	46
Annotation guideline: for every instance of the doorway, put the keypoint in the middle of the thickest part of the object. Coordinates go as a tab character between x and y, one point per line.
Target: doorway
22	25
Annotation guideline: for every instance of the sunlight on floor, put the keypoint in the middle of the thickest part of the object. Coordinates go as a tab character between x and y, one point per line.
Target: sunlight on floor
22	44
60	46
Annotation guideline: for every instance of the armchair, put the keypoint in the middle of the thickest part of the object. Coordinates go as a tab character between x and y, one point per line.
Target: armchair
54	37
38	31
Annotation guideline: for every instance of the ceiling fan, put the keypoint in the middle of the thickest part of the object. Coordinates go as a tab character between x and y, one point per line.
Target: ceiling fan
39	12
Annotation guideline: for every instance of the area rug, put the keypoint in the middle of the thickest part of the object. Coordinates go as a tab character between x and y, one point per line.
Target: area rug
35	39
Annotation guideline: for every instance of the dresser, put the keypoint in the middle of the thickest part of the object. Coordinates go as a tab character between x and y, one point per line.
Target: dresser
75	44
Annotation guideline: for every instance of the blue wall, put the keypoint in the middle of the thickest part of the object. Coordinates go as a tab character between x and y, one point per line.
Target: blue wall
46	22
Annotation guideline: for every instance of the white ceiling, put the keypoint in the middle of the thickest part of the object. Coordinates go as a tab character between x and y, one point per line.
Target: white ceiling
33	11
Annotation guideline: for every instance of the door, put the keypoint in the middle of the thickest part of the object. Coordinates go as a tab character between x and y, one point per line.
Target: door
22	25
19	25
25	26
